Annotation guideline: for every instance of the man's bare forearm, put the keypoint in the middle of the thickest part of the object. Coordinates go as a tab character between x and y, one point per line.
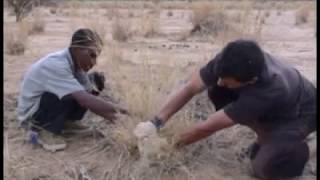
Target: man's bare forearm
175	102
178	99
95	104
215	122
192	135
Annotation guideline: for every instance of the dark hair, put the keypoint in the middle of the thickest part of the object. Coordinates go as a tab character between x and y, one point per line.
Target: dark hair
240	59
86	37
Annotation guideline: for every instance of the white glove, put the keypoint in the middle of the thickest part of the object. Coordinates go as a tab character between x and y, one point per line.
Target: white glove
145	129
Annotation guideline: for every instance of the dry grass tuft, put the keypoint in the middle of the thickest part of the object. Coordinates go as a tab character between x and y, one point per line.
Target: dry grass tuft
201	13
37	25
266	14
53	10
120	31
149	23
208	20
149	26
302	15
15	41
278	13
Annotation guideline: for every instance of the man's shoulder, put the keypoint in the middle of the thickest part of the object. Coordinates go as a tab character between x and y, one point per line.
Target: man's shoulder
54	64
58	56
58	59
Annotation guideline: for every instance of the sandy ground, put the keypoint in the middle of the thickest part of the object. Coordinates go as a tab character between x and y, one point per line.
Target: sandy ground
280	36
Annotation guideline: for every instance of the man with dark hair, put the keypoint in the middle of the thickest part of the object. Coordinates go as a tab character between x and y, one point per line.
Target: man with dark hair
57	91
250	87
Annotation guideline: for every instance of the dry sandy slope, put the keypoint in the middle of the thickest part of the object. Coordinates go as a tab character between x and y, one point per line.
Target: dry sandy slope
294	44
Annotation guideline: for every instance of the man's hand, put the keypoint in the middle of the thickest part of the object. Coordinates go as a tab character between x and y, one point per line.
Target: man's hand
145	129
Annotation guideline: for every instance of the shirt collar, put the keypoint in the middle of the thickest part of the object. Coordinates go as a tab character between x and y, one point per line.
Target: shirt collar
69	58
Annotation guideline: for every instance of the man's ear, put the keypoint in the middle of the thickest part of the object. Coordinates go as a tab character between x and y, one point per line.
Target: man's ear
253	80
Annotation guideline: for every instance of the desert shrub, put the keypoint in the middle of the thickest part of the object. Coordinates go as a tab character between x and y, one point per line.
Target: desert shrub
37	25
302	15
148	26
120	31
53	10
112	13
21	8
208	20
278	13
131	14
15	42
200	13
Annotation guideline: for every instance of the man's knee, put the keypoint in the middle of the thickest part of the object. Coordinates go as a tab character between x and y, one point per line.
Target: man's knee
48	98
68	100
285	162
76	112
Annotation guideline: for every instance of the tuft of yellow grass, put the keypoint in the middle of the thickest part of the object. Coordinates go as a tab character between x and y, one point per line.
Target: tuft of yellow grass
37	25
120	31
148	26
302	15
15	41
53	10
209	19
201	12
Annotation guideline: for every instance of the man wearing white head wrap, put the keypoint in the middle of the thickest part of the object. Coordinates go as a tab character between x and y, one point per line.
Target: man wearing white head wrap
57	90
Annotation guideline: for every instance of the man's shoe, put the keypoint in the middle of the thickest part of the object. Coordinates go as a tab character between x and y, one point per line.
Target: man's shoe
51	142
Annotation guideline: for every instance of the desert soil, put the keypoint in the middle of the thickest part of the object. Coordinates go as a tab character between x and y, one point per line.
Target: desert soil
293	44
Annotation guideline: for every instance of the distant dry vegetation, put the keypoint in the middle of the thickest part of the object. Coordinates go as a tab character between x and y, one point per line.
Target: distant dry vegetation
120	31
15	41
143	87
209	20
21	8
37	25
302	15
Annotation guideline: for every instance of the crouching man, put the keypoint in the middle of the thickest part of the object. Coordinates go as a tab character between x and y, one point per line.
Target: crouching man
56	91
253	88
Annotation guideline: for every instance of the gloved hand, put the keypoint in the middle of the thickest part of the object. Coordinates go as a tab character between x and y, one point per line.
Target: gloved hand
145	129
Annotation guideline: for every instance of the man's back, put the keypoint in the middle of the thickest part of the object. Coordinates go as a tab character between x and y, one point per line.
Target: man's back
270	103
52	73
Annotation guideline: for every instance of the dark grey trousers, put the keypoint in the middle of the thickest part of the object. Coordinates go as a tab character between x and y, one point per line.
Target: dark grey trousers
282	155
53	112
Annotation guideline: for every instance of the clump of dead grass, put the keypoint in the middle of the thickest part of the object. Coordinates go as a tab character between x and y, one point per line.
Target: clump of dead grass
266	14
37	25
120	31
53	10
149	26
302	15
208	19
200	13
149	23
15	41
